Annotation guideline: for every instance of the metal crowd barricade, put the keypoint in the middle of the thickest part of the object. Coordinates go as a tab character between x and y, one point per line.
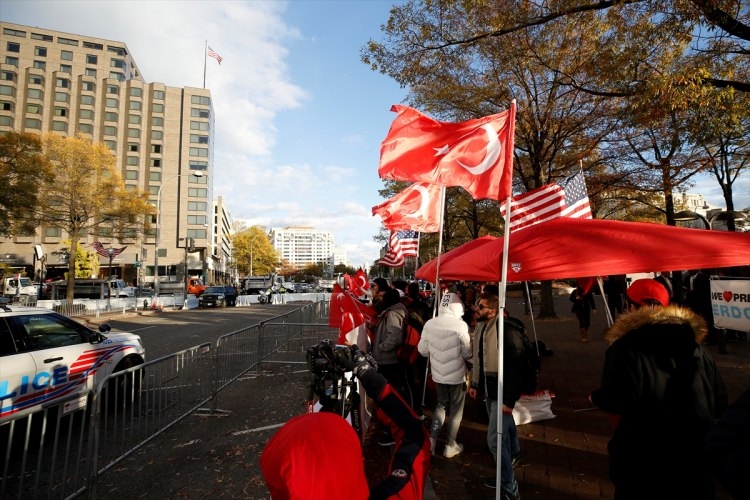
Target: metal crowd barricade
62	451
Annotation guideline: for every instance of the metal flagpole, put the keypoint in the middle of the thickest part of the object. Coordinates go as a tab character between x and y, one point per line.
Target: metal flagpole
205	56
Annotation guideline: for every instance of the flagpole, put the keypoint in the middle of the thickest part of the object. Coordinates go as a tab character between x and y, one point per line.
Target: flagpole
205	56
440	251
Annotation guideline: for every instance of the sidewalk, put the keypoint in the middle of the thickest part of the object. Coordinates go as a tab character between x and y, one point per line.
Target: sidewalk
566	457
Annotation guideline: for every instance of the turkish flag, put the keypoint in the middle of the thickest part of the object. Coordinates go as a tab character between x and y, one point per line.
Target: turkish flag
335	306
416	207
476	155
355	313
357	284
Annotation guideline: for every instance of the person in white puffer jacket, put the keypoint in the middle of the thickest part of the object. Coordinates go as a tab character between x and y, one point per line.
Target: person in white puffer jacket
445	340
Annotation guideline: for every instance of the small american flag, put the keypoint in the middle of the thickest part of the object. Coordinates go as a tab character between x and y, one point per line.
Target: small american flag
214	54
401	244
568	198
104	252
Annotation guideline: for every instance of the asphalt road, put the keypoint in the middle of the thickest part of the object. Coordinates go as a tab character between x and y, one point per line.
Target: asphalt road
168	332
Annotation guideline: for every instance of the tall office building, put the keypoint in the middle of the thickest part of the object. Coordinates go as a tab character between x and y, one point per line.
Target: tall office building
65	83
302	245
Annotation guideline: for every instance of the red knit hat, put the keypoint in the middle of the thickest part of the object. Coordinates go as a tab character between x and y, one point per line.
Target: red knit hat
315	456
647	291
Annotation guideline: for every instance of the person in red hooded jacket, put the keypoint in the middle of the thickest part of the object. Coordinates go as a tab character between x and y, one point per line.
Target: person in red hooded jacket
319	456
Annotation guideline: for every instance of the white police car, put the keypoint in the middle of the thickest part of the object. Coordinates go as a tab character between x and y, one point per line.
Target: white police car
45	357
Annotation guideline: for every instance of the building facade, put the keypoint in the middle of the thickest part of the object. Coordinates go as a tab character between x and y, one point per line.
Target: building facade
300	246
161	136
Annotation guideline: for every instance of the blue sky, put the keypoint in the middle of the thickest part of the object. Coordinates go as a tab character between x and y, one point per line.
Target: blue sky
299	118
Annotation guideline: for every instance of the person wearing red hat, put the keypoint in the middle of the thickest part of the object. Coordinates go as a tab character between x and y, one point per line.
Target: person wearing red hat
665	391
319	456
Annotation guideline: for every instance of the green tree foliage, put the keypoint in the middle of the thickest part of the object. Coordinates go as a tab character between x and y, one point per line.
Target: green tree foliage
253	253
23	170
87	195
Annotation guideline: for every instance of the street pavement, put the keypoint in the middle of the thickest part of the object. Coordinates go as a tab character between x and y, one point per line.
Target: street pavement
215	454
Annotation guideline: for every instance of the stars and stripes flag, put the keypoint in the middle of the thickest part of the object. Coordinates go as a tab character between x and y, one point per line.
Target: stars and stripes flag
214	54
568	198
104	252
401	244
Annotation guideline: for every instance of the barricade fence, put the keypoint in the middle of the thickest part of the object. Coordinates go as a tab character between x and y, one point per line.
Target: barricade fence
62	451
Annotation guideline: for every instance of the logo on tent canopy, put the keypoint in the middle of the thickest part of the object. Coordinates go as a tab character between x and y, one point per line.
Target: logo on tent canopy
516	266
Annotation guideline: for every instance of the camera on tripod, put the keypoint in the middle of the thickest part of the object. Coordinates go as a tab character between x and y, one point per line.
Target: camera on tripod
328	377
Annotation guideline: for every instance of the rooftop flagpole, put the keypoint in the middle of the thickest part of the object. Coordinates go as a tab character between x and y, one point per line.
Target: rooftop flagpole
205	52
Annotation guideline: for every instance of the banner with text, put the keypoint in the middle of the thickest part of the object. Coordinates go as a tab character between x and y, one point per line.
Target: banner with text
730	300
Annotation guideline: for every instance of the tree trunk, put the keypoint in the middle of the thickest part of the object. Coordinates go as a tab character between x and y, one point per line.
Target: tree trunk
546	306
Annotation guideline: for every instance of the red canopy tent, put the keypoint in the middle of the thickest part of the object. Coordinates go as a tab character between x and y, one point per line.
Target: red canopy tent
568	248
428	270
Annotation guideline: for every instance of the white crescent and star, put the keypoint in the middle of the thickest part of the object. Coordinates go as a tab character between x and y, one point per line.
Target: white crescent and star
491	155
423	204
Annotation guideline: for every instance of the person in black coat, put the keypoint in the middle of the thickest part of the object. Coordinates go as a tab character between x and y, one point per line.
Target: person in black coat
665	390
583	304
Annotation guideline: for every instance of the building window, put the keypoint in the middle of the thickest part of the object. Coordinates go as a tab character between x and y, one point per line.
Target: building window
63	83
34	109
61	97
198	139
158	95
203	100
6	105
111	102
154	176
66	68
6	121
112	145
157	135
156	162
199	126
59	126
39	36
86	114
114	75
88	100
110	116
7	90
196	219
197	206
109	130
133	147
12	32
52	232
134	132
157	121
8	76
154	190
156	148
92	45
136	91
35	94
89	86
11	61
33	123
198	165
200	152
117	63
61	111
198	192
67	41
40	65
40	51
199	113
113	89
91	72
36	79
66	55
91	59
133	160
134	119
135	105
14	47
198	234
198	180
86	128
131	175
117	50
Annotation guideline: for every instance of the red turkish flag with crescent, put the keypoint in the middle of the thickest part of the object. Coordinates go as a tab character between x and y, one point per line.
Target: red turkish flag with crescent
357	284
335	306
416	207
476	155
346	312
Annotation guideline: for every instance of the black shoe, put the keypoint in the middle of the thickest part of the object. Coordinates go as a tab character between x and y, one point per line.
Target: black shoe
490	482
517	460
507	496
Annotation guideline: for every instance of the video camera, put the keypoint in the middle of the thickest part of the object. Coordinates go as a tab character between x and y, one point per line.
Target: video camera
328	377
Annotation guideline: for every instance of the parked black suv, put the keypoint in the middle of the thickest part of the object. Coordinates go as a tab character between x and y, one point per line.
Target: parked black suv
218	296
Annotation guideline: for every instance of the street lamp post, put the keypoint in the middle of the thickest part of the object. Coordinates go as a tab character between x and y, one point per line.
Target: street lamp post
197	173
110	253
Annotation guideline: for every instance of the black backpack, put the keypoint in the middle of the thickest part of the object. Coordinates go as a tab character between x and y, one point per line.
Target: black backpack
530	356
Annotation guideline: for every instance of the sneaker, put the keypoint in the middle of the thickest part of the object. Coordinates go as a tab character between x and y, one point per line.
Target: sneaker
433	442
490	482
517	460
386	440
451	451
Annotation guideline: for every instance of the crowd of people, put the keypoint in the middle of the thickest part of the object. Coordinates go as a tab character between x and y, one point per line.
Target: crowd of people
659	385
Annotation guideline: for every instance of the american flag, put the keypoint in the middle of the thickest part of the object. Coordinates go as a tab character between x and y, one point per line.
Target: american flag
568	198
401	244
104	252
214	54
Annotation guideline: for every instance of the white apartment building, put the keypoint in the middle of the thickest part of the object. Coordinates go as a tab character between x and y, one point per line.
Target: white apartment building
66	83
302	245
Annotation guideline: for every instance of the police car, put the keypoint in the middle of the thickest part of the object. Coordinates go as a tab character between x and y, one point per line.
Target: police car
46	357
